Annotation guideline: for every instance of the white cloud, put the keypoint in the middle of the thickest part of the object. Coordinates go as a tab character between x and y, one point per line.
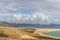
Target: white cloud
56	20
42	8
37	17
54	0
5	14
2	19
17	16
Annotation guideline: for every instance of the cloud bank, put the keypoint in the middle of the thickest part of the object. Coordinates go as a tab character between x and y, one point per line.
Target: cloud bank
30	11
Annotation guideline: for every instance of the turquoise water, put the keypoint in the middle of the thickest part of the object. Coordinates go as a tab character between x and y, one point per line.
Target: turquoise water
55	34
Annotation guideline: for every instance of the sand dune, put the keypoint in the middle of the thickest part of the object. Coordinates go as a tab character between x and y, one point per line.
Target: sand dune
13	33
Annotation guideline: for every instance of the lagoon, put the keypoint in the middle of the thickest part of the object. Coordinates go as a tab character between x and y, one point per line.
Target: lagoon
54	34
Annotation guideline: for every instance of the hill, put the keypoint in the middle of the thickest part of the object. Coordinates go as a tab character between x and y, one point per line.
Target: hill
13	33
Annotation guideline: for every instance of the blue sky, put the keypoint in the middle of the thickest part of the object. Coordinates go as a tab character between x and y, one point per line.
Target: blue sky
30	11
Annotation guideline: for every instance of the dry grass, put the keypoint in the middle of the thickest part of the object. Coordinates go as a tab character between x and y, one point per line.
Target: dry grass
13	33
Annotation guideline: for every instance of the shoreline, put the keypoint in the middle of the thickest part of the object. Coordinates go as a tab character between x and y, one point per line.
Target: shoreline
52	37
41	30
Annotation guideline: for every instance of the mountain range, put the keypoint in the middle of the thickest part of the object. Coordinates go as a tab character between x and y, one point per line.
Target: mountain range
30	25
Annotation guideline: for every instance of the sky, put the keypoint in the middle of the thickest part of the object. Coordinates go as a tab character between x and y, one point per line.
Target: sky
30	11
